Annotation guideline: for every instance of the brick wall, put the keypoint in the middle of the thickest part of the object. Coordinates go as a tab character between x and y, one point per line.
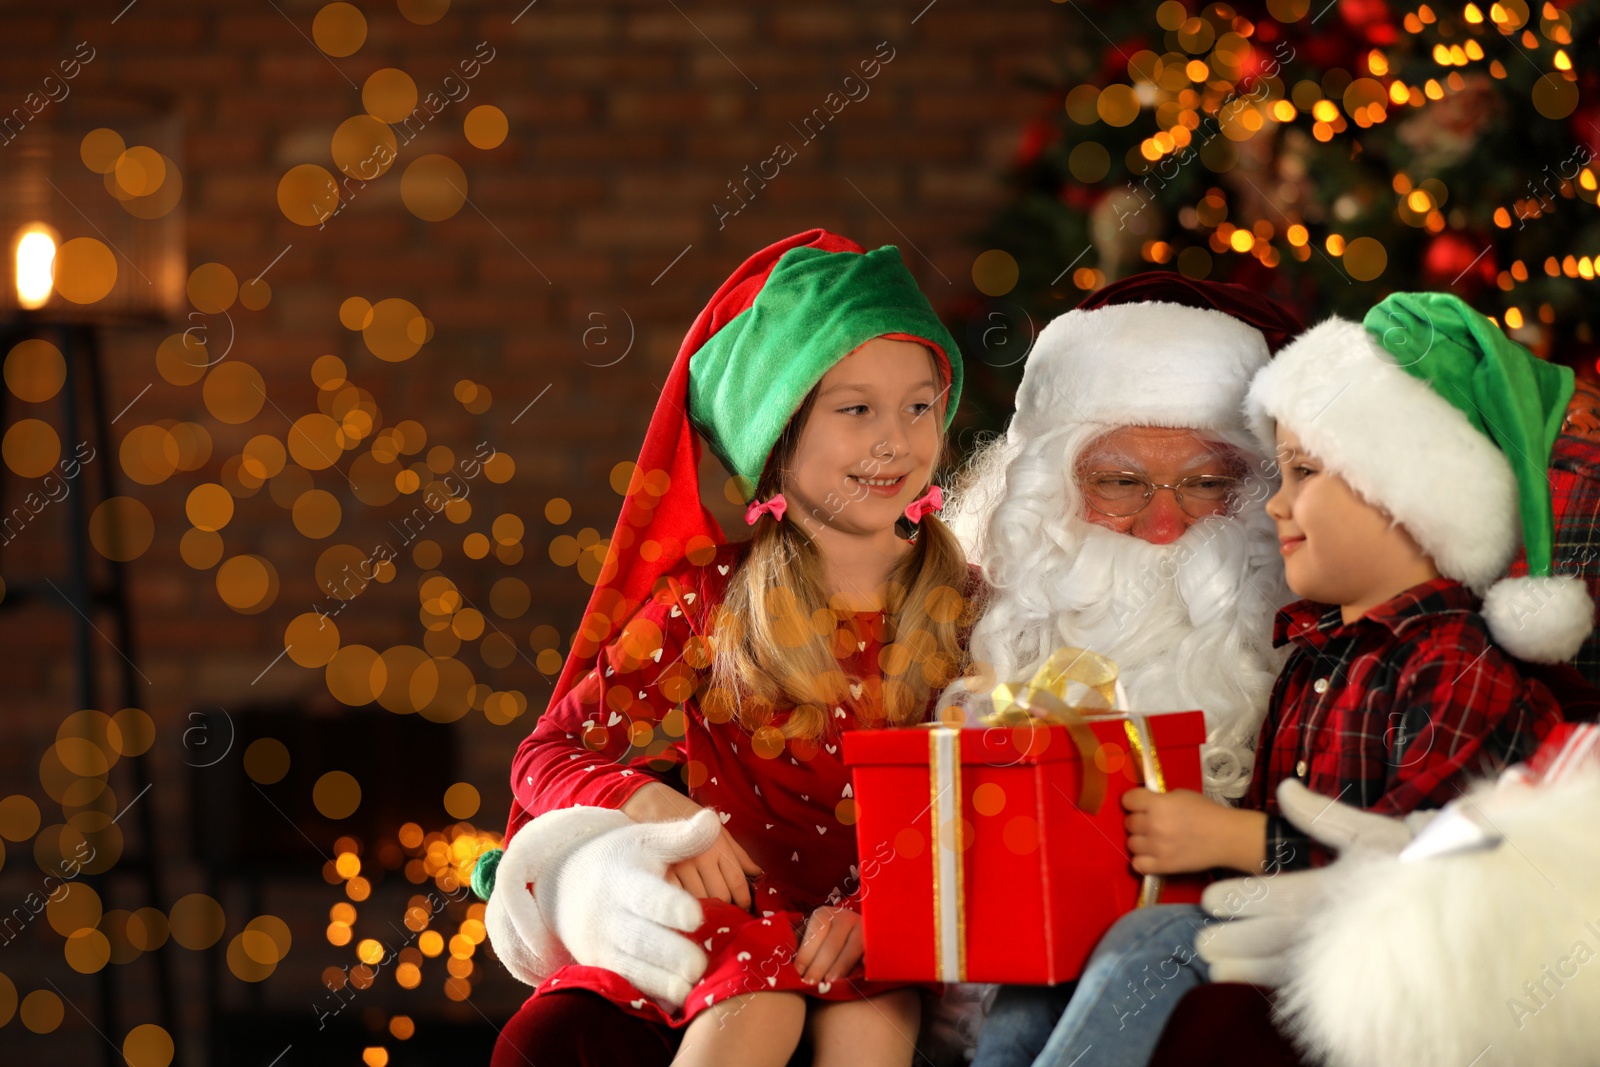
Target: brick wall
627	122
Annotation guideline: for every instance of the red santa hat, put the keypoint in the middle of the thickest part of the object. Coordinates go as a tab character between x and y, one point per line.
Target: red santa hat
1155	349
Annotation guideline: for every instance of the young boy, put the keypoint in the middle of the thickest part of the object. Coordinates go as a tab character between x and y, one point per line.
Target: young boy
1409	449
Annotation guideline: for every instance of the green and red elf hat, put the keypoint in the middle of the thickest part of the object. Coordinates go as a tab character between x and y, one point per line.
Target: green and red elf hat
1431	412
785	317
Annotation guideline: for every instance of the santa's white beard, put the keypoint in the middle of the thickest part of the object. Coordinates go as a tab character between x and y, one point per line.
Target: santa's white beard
1188	624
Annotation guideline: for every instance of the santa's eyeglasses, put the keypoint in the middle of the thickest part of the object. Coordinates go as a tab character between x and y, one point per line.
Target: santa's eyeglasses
1121	494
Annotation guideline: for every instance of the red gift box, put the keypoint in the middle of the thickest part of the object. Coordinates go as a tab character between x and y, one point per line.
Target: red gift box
1022	891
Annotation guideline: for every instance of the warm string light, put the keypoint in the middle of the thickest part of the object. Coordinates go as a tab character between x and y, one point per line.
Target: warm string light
1367	103
446	859
34	256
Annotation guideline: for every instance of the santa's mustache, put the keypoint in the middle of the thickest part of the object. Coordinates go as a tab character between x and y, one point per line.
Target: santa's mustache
1100	576
1189	623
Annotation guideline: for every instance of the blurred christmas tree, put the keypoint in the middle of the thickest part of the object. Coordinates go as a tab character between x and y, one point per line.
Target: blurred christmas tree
1325	155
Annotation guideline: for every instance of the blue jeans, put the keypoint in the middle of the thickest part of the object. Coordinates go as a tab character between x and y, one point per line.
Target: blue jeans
1019	1023
1128	990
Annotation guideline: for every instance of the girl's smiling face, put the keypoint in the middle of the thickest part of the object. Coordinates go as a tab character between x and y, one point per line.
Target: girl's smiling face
1337	548
870	439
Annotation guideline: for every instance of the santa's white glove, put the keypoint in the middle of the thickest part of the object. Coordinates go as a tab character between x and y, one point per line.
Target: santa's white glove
600	898
1270	912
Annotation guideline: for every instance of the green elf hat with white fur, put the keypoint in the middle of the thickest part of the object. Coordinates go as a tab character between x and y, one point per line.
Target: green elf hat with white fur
1430	412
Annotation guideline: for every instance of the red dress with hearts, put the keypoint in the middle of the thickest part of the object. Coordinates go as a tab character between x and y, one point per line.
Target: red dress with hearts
641	715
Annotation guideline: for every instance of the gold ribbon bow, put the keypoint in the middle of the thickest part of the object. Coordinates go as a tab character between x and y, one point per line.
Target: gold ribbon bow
1044	699
1065	666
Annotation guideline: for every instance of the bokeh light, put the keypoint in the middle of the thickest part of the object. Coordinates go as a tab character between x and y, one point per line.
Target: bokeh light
336	794
311	639
100	149
266	760
35	370
234	392
307	194
31	448
84	270
389	94
461	801
121	528
995	272
41	1011
209	507
486	126
247	583
339	29
196	921
364	147
1365	258
87	951
182	358
76	907
148	1045
212	288
434	187
423	12
396	330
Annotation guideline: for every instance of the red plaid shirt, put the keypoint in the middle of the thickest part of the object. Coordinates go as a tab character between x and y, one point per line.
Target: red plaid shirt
1574	477
1393	712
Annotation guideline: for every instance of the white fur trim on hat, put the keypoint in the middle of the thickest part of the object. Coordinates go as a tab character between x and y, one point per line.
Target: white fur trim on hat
1543	619
1145	364
1398	443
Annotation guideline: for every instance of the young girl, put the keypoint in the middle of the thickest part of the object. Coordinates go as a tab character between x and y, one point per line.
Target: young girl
821	378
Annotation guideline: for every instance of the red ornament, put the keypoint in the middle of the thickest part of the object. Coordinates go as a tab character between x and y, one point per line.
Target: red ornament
1584	125
1454	260
1039	135
1114	64
1371	18
1081	197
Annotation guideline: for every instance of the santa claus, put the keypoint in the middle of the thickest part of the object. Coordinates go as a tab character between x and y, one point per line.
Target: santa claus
1115	513
1120	512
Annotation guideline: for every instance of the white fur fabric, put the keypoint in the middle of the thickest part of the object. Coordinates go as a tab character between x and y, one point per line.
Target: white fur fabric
1189	624
522	939
1542	619
1489	958
1402	446
1146	364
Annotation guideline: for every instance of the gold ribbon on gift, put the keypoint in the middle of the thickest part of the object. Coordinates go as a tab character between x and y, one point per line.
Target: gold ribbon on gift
1063	667
1144	749
1043	698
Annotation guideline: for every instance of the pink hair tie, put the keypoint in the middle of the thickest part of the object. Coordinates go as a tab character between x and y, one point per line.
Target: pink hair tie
932	500
774	507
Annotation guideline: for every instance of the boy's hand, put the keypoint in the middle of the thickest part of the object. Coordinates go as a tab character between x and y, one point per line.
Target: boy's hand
1184	831
1271	917
831	945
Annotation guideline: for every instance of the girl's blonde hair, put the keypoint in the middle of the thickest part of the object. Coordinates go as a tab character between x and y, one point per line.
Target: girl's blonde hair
778	641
